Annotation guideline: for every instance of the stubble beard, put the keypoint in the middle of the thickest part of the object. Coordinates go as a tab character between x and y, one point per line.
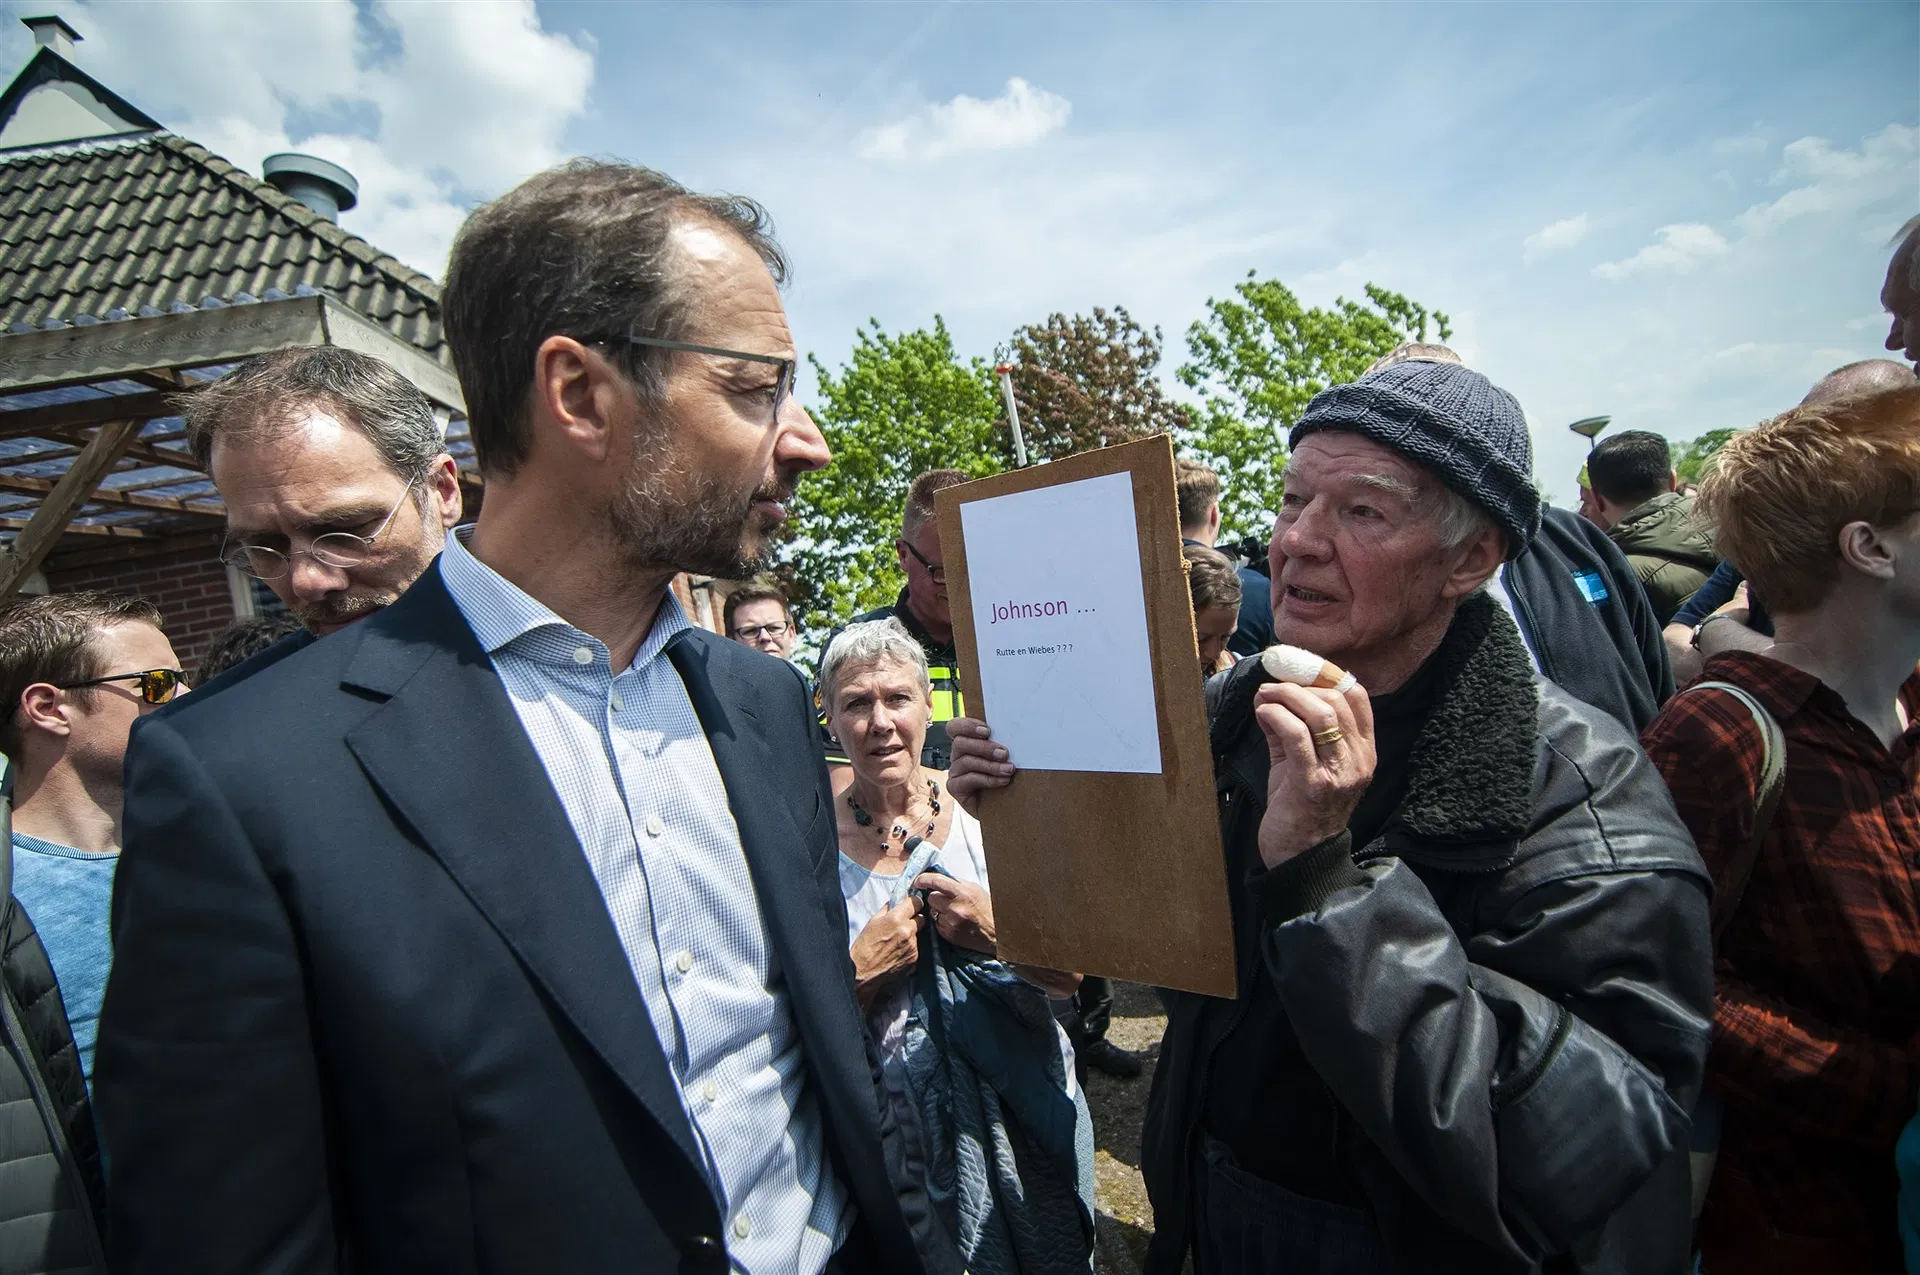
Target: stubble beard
665	516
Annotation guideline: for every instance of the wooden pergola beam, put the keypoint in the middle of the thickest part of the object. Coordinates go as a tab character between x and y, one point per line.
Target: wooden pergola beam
24	422
95	552
41	532
80	529
113	496
129	348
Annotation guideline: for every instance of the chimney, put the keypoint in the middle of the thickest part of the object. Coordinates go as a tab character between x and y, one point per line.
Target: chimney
327	189
52	32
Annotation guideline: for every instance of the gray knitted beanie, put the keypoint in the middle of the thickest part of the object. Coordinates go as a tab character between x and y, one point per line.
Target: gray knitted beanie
1448	419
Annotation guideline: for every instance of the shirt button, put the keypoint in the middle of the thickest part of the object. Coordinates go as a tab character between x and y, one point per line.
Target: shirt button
709	1092
619	705
741	1227
683	961
583	655
654	826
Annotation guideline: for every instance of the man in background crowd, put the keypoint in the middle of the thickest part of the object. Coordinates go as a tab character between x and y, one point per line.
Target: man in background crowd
1636	501
1197	489
1582	614
756	615
1214	584
922	609
338	486
241	641
1900	296
77	670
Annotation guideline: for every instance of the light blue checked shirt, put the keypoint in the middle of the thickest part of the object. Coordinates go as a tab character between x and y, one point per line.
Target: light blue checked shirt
632	767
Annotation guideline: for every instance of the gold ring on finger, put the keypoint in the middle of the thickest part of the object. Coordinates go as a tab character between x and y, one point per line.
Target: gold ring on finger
1331	735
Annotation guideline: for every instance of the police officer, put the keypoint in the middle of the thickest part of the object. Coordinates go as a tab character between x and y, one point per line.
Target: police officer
922	608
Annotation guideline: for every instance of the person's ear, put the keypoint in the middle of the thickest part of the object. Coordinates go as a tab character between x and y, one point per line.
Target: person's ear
1673	480
46	707
1863	548
579	400
1213	519
1475	562
443	480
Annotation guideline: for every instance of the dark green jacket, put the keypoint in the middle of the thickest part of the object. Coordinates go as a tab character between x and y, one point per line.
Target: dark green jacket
1671	555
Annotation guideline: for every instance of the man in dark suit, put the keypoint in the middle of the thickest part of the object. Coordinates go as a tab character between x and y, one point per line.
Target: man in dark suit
502	930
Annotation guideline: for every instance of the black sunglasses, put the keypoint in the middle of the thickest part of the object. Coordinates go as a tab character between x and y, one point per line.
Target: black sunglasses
157	685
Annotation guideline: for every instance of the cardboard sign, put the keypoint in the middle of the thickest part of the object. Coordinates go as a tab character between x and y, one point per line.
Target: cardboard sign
1076	640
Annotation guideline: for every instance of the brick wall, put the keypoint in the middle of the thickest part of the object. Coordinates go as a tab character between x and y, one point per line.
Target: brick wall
189	587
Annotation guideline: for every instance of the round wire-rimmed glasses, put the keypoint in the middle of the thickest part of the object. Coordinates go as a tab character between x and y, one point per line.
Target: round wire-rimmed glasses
334	549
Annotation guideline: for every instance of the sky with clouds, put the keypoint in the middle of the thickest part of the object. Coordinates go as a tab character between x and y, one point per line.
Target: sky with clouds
1674	214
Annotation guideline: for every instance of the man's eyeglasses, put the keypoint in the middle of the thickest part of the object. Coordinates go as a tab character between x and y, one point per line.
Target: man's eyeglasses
753	632
783	383
157	685
937	570
334	549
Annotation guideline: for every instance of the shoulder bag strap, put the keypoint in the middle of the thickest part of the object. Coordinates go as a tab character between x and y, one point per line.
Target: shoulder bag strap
1773	775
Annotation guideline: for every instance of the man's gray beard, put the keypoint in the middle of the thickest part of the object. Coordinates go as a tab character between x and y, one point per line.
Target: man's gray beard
703	532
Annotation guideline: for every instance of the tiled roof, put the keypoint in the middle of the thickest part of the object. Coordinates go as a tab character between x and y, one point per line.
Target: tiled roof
91	227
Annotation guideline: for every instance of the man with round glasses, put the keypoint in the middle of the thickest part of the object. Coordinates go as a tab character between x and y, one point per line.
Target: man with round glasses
76	671
338	487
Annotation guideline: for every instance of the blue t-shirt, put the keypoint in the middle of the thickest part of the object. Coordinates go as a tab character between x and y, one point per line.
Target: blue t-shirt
69	893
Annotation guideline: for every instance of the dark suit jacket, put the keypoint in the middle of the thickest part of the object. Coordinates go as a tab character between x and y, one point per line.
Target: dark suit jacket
368	1010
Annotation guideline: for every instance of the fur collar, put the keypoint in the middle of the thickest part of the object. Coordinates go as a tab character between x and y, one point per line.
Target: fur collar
1473	763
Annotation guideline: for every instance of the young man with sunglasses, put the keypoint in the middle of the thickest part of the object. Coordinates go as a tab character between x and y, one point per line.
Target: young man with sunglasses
76	671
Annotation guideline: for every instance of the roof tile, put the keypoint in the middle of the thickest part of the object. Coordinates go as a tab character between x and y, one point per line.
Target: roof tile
85	229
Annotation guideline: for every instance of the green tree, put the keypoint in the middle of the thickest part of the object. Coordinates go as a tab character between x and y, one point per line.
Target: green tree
1690	458
1087	381
1258	358
901	405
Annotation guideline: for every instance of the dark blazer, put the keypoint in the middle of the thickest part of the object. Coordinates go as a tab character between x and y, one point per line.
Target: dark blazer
368	1010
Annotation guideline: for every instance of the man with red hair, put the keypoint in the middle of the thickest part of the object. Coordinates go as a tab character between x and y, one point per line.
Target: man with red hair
1816	1046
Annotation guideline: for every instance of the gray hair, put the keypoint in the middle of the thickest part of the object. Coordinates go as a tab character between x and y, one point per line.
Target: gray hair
263	396
867	643
585	250
1457	518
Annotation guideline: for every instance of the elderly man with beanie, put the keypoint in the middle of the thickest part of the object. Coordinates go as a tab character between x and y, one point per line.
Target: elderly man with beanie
1474	970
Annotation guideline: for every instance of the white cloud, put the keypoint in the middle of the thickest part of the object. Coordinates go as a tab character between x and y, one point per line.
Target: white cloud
1018	118
1752	142
431	107
1548	240
1830	179
1676	250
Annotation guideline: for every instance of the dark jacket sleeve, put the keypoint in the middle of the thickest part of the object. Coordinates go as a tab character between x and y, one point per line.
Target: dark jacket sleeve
1527	1080
1709	597
206	1083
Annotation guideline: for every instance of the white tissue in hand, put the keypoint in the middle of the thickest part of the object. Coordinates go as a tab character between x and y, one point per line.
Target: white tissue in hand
1304	668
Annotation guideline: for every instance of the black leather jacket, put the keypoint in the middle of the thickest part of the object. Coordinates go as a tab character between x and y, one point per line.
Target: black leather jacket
1507	994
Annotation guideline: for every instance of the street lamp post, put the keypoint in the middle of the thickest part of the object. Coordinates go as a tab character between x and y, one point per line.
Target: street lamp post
1589	427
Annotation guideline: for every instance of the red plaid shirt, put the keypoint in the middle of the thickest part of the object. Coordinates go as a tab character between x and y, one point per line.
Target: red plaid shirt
1817	1000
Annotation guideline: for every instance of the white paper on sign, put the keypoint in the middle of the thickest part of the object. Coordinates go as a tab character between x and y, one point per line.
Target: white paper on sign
1060	620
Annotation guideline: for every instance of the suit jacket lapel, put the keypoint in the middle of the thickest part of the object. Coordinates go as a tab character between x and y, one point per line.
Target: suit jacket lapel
449	752
810	943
